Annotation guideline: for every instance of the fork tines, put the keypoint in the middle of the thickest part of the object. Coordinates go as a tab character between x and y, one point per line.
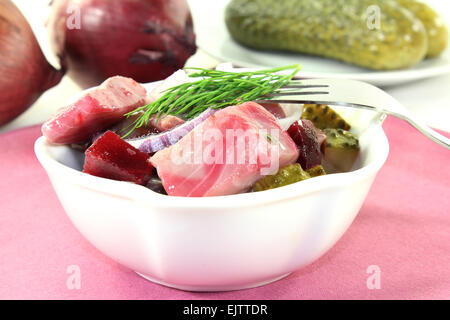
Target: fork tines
302	86
295	93
286	90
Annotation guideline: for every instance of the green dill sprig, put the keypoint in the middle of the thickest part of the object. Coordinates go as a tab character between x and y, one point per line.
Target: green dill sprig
215	89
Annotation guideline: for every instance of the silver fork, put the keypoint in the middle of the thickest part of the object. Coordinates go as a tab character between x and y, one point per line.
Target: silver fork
351	93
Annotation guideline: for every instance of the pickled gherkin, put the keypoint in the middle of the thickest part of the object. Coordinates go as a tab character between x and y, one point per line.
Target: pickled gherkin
324	117
390	37
316	171
340	150
285	176
436	30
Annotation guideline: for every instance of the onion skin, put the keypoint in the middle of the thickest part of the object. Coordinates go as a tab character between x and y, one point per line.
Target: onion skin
146	40
26	74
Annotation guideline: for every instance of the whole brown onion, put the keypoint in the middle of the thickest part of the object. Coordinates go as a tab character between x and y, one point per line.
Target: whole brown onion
25	73
146	40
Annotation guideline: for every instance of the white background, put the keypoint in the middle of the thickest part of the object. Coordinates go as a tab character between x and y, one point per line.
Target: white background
428	99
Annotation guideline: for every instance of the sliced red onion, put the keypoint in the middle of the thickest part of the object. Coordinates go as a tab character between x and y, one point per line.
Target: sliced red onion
293	113
177	78
321	136
153	143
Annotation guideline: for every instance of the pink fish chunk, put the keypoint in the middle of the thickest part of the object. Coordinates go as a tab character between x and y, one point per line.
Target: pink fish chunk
275	109
166	122
226	154
95	111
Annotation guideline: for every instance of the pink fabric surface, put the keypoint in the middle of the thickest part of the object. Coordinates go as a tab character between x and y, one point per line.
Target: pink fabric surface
403	228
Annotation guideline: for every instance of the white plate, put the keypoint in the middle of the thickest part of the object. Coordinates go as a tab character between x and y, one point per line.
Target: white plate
213	38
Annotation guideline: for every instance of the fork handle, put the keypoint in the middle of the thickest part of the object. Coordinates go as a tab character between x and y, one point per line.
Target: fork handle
427	131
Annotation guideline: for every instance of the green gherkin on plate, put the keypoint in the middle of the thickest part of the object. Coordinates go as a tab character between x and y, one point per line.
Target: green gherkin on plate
434	24
340	150
285	176
379	34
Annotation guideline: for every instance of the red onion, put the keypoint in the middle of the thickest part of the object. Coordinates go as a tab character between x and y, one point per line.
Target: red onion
153	143
25	73
292	113
321	136
146	40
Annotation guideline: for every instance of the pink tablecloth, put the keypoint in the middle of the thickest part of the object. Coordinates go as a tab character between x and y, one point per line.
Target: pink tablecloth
403	230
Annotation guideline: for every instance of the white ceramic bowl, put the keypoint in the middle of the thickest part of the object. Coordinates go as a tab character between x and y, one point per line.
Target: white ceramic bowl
216	243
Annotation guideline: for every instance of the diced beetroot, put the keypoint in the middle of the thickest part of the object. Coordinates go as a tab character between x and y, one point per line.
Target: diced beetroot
95	111
113	158
304	135
225	154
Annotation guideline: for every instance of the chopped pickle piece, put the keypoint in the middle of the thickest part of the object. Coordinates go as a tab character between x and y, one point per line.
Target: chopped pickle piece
316	171
324	117
340	150
285	176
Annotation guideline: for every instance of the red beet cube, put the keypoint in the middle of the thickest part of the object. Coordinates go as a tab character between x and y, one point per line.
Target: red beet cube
112	157
304	135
